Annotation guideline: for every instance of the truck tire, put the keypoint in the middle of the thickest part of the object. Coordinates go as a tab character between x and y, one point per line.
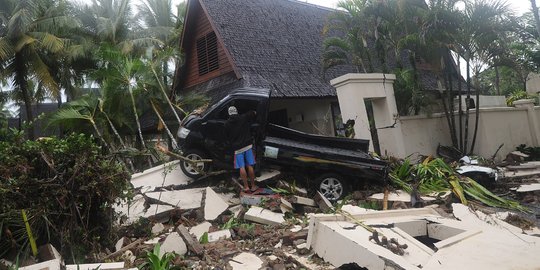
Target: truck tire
190	169
332	186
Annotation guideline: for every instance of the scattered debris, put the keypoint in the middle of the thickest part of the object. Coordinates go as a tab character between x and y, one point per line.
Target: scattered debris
247	261
157	228
323	202
200	229
173	243
217	235
47	265
192	243
213	205
529	187
264	216
302	200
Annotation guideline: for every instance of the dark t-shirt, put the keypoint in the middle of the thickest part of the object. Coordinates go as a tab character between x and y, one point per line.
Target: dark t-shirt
238	130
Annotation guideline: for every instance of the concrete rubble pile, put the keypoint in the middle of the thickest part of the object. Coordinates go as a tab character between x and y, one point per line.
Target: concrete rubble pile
212	227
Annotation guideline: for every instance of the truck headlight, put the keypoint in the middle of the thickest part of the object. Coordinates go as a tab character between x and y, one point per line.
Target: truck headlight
182	132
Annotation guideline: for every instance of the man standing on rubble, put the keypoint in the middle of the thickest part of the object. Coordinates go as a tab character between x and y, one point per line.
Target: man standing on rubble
238	132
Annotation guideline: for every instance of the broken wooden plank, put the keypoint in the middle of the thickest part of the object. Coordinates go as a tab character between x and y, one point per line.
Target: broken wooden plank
122	250
192	243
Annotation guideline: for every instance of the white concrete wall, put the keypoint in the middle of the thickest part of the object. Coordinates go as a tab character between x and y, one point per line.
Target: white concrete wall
485	102
508	126
317	114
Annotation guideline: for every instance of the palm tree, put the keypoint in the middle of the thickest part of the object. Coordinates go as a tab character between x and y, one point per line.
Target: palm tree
28	34
484	29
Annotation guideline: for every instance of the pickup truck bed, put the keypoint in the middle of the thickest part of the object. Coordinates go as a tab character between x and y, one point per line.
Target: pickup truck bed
295	148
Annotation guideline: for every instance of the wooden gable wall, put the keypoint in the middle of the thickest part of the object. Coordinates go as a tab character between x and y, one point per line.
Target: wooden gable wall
199	27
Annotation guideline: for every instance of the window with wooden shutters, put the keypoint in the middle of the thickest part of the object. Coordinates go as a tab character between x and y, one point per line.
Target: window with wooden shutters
207	53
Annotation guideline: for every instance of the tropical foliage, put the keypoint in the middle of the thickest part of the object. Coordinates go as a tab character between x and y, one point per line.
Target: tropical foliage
63	189
434	177
406	37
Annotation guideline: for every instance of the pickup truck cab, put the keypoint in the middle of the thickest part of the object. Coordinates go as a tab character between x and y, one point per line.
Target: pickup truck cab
334	163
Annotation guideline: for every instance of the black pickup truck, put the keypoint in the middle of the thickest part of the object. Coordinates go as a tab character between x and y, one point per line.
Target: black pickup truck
335	163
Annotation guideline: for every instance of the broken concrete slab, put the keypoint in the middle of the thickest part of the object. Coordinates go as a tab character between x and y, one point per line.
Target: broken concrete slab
160	176
245	261
200	229
256	199
217	235
398	196
355	210
157	228
48	252
286	206
214	205
183	199
173	243
267	175
467	243
48	265
323	203
136	209
529	187
93	266
303	201
263	216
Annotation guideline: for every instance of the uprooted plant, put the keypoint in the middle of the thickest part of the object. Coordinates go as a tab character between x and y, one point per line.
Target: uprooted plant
60	190
433	176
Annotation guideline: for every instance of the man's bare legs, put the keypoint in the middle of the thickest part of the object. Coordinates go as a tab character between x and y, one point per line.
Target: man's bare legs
251	174
243	175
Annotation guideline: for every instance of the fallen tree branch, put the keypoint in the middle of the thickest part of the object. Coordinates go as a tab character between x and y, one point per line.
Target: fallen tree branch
122	250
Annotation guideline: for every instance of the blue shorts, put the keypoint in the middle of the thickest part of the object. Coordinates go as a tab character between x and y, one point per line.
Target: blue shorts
241	159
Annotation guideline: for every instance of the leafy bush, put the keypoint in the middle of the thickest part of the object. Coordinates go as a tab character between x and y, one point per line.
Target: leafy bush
67	188
520	94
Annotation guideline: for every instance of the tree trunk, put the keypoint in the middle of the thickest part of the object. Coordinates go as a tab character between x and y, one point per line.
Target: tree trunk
171	136
467	102
497	81
534	10
21	81
460	104
139	130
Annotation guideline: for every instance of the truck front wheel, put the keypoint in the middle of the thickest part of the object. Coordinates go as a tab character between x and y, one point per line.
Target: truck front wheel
194	169
332	186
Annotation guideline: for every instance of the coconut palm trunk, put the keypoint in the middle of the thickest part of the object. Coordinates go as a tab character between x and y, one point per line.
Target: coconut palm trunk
139	130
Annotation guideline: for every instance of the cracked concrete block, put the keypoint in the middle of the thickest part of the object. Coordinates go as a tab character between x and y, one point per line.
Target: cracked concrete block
157	228
217	235
267	175
247	261
183	199
529	187
303	201
214	205
264	216
285	206
173	243
93	266
48	265
235	210
200	229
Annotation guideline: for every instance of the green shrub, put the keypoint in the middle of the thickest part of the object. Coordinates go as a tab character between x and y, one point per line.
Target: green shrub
67	188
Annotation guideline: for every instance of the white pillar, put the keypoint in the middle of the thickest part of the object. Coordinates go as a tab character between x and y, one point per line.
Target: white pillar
531	117
353	89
